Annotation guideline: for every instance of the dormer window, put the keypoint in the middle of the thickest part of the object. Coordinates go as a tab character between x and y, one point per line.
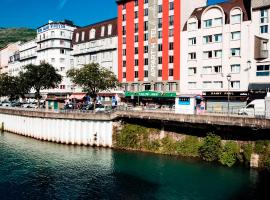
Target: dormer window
102	31
109	29
236	19
77	37
208	23
192	26
92	34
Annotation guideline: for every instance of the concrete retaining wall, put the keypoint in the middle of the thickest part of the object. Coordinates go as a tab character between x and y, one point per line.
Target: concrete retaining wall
67	131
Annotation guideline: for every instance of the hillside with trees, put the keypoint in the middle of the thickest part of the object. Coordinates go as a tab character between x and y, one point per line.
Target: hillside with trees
9	35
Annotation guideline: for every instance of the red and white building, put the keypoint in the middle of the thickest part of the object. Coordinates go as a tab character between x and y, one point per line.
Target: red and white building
149	33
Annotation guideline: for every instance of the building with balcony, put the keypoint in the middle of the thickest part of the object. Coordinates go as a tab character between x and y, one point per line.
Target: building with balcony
54	45
149	43
216	53
260	65
97	43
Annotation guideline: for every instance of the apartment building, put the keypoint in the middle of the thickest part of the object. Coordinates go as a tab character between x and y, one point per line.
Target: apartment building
5	54
216	53
149	42
260	65
97	43
54	46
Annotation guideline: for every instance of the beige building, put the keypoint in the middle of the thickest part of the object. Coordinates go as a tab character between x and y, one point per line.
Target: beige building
5	54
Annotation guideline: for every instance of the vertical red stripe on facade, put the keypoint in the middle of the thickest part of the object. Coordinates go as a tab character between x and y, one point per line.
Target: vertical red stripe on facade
177	32
120	41
165	40
141	40
130	40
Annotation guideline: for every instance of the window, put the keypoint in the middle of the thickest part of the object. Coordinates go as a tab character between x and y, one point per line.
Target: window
124	6
136	27
217	84
145	1
136	14
62	69
207	39
159	73
192	26
159	60
83	35
171	46
171	20
52	34
62	60
218	53
207	84
136	50
207	54
123	17
145	73
236	35
159	34
170	72
146	61
192	85
236	19
145	49
62	51
218	37
77	37
171	6
207	70
218	69
192	56
192	71
145	36
146	12
124	63
109	29
136	38
192	41
102	31
136	74
124	52
171	32
52	60
235	84
170	59
159	47
208	23
62	87
159	8
136	3
145	26
159	22
263	70
235	68
235	52
264	29
92	34
264	16
218	21
124	30
124	40
124	74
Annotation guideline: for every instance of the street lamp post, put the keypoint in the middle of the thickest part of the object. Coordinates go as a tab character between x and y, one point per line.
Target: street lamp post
229	77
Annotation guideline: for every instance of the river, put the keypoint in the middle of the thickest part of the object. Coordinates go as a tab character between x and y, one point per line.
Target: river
31	169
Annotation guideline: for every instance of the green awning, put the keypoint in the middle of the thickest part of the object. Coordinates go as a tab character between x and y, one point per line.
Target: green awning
151	94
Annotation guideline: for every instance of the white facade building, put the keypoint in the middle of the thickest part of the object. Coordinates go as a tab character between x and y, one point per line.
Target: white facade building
260	65
54	46
97	43
215	44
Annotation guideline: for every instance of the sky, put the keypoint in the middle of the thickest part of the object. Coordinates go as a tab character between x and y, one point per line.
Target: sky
35	13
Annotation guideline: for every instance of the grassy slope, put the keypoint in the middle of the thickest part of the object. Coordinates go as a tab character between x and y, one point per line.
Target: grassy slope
8	35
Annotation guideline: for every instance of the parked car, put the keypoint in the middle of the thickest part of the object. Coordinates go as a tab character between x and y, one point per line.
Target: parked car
29	105
254	108
6	104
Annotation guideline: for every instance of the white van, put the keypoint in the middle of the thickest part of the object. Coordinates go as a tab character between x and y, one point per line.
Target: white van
254	108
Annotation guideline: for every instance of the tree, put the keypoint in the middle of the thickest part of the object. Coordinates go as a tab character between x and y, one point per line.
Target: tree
41	77
93	79
13	86
211	147
229	154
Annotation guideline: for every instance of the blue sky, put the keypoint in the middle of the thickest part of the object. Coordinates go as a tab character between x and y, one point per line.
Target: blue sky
34	13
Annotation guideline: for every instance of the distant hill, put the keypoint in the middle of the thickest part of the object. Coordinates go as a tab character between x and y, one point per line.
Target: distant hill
8	35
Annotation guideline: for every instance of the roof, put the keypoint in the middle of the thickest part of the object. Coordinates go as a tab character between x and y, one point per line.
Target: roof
65	22
97	26
227	7
257	4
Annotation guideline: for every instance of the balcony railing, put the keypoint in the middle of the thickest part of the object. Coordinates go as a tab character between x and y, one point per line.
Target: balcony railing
49	37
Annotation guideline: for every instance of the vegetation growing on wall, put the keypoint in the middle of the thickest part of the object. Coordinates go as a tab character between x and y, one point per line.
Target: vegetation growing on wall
209	148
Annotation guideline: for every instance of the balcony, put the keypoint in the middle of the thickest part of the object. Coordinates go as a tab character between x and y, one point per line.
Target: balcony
54	37
24	57
54	46
260	50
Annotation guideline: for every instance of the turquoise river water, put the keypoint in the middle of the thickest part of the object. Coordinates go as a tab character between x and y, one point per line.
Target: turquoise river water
31	169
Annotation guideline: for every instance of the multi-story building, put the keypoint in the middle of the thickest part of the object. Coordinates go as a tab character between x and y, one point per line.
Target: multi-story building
149	42
54	45
216	53
260	65
5	54
97	43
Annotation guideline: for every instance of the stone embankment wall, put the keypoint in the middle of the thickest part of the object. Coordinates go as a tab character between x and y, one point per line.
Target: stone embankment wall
60	128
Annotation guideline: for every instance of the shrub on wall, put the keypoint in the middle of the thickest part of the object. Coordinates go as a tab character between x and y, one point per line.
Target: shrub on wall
210	148
189	147
229	154
247	151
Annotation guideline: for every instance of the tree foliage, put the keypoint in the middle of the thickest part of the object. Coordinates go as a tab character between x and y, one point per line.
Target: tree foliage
93	79
229	154
211	148
41	77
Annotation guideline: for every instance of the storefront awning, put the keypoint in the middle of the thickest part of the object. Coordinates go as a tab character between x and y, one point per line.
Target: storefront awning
79	96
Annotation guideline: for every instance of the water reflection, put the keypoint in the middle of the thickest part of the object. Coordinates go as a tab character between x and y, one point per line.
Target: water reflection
31	169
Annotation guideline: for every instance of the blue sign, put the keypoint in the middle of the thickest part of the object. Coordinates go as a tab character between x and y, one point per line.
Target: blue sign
51	26
184	101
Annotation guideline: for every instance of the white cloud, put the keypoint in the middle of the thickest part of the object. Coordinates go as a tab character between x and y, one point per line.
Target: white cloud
61	4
